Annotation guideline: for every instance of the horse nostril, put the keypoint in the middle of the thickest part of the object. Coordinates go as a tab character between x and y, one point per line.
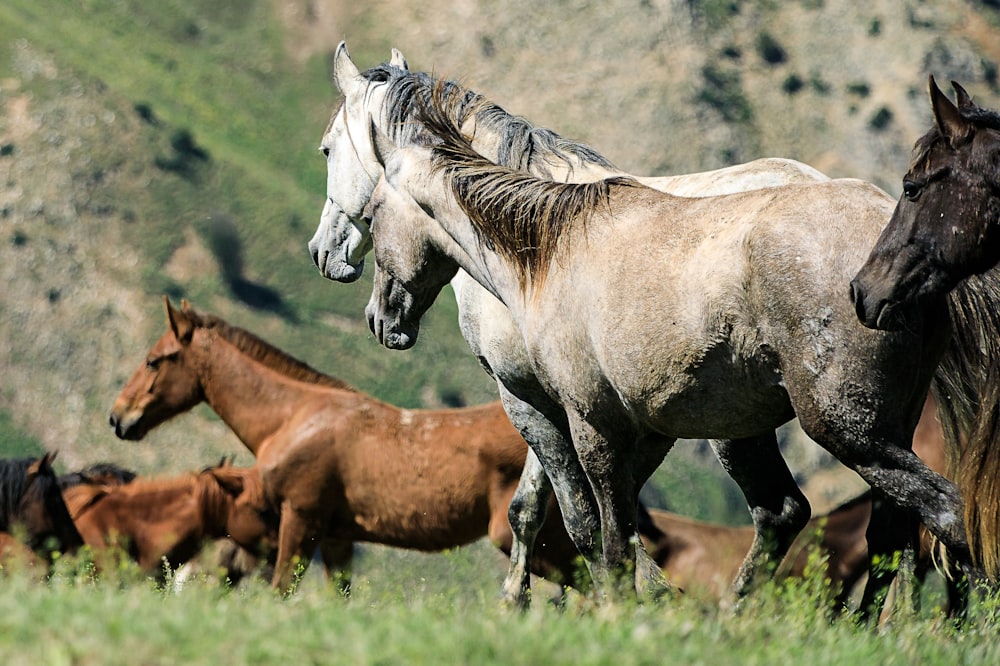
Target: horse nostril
113	420
315	257
854	292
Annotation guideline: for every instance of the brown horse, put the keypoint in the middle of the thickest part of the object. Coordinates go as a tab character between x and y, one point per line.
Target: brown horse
339	465
34	520
159	519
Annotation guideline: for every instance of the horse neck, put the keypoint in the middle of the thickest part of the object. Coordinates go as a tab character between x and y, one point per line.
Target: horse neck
452	233
253	400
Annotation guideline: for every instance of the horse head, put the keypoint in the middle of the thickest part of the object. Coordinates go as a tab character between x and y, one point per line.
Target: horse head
43	511
250	520
946	225
342	239
164	385
408	275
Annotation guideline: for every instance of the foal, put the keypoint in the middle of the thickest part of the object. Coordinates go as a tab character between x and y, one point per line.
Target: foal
170	518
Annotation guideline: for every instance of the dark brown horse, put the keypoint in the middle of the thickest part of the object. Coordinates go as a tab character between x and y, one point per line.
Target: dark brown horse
943	241
170	519
338	465
32	511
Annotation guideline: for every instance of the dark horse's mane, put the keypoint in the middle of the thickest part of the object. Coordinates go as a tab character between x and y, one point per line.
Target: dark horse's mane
264	352
13	485
518	215
97	471
967	389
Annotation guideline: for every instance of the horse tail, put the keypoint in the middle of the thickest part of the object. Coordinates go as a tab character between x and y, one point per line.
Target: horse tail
967	388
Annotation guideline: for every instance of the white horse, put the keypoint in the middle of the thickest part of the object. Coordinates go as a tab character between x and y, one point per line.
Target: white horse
726	322
338	250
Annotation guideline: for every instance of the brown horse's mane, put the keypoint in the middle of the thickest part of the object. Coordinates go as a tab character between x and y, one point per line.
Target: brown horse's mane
519	216
264	352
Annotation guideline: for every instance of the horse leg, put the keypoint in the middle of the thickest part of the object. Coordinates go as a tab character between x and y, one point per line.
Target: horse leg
616	469
879	452
526	515
296	542
778	508
890	532
338	556
538	422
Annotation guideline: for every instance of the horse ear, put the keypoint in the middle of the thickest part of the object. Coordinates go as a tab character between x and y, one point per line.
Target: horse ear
180	323
345	72
946	115
962	97
43	463
397	60
229	482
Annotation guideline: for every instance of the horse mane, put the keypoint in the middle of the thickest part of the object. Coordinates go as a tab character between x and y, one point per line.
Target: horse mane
264	352
967	389
521	144
13	484
92	473
519	216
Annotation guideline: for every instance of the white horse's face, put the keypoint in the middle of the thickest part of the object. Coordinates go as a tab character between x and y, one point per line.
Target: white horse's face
342	238
410	270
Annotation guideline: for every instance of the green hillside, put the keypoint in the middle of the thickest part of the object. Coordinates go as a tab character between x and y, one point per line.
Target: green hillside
166	148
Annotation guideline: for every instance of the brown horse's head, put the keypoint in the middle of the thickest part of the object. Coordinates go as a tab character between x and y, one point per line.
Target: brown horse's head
946	225
250	522
164	385
43	512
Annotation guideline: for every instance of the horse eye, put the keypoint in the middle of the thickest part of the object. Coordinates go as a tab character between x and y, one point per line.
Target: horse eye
153	363
325	151
912	189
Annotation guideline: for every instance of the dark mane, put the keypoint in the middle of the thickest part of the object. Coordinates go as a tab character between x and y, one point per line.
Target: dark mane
13	484
519	216
96	473
264	352
522	145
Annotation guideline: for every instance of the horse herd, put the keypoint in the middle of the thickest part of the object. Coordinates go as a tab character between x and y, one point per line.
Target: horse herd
761	293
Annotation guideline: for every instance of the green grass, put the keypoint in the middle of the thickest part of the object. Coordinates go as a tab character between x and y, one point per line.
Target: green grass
441	609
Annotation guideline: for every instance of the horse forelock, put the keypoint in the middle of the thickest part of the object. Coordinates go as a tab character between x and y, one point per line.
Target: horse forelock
264	352
517	215
976	118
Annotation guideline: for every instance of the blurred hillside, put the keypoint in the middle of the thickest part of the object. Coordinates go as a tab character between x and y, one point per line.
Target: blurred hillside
151	148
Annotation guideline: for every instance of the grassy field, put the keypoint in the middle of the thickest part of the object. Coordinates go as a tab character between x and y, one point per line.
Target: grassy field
441	609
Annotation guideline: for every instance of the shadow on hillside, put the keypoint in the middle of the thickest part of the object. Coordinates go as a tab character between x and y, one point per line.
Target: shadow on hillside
224	242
